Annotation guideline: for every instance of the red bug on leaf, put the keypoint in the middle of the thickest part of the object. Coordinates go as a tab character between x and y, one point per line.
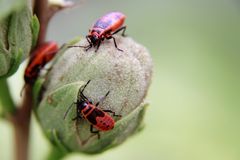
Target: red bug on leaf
39	58
98	118
105	27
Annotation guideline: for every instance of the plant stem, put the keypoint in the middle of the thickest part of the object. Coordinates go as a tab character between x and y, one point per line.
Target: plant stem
41	10
21	122
21	119
44	13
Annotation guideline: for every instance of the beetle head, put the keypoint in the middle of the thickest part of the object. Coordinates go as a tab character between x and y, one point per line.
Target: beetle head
94	38
83	105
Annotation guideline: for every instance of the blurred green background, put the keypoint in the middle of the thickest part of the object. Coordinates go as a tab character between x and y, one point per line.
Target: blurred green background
194	97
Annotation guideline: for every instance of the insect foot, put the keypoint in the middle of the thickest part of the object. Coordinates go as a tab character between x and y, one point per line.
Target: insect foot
93	101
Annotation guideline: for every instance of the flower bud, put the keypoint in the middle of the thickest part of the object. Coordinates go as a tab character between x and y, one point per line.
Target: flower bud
18	31
126	75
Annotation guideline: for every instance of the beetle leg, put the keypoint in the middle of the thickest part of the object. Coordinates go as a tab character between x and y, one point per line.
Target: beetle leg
123	32
102	99
90	44
99	42
114	40
96	132
87	37
115	115
88	47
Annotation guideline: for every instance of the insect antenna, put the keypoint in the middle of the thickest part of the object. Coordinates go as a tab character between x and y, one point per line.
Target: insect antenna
102	99
79	46
85	47
80	92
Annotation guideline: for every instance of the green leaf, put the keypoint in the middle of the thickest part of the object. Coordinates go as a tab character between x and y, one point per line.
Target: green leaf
6	101
76	135
63	48
16	39
53	107
5	56
58	142
8	6
35	26
15	63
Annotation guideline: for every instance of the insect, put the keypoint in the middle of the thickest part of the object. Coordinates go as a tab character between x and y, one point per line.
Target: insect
39	58
98	118
105	27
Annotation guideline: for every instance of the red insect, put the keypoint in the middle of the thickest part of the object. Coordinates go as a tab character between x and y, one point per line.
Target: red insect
105	27
98	118
39	58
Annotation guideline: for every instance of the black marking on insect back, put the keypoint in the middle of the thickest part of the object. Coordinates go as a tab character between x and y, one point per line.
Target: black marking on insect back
86	111
93	115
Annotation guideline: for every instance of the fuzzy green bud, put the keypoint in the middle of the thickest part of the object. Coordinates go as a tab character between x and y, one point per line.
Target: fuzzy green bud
126	75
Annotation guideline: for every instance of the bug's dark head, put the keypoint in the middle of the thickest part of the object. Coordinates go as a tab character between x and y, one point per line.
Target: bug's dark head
94	38
31	74
83	105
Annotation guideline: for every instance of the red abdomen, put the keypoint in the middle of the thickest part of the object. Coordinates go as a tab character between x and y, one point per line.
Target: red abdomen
98	118
104	123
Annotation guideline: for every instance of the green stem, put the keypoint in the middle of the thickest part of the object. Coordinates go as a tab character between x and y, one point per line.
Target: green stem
6	100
